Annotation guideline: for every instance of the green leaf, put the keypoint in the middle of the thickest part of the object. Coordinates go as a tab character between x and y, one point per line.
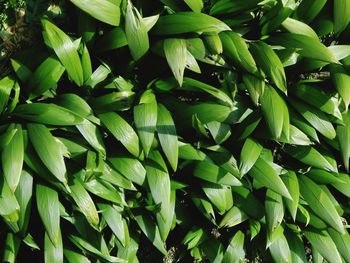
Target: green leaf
320	203
341	81
316	118
210	172
122	131
99	75
279	249
86	246
45	77
298	27
24	196
11	248
324	244
194	237
213	43
204	207
115	221
313	96
341	14
145	117
86	63
176	54
233	217
191	63
323	177
187	22
317	257
291	182
235	251
103	10
254	228
310	156
302	125
199	51
47	114
274	211
105	191
73	257
48	208
195	85
78	105
275	112
228	7
22	72
92	135
270	63
65	50
214	250
167	135
220	132
113	39
150	21
195	5
112	176
85	203
9	207
188	152
309	9
264	173
343	135
255	87
131	168
6	85
342	242
166	225
48	149
151	231
250	153
12	158
159	183
296	246
136	32
219	195
306	46
236	49
114	101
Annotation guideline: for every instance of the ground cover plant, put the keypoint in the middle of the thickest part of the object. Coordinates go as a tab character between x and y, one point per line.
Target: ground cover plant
175	131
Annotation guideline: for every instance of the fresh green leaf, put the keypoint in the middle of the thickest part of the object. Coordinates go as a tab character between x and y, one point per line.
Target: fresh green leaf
65	50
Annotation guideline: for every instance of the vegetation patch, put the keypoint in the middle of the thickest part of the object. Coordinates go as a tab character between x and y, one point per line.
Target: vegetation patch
175	131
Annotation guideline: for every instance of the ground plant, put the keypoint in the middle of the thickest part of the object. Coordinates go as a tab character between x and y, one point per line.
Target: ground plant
175	131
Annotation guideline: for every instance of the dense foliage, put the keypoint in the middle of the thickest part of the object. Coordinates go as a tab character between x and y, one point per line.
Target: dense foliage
194	130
